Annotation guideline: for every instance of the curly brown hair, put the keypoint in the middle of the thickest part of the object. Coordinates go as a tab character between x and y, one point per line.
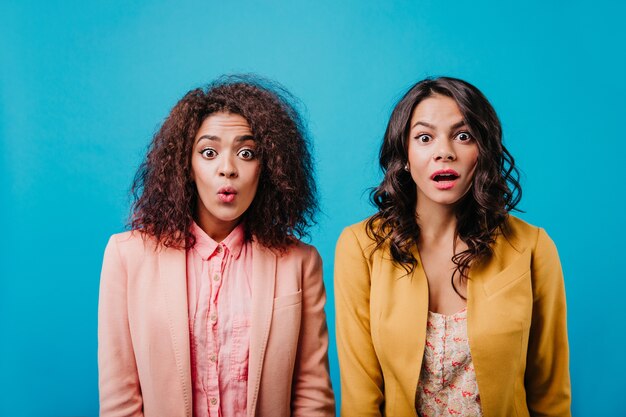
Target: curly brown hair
165	197
481	214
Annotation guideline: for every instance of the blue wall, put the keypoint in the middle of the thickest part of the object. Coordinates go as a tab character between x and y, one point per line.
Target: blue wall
84	86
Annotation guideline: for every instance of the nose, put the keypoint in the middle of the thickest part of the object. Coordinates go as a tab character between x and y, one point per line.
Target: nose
444	152
228	168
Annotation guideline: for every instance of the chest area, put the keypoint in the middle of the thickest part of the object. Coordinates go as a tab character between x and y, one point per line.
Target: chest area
499	300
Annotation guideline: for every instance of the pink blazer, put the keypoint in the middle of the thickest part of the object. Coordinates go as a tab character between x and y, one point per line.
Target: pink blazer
143	332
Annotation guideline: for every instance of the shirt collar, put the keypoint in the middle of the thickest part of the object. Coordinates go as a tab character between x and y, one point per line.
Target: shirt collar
206	246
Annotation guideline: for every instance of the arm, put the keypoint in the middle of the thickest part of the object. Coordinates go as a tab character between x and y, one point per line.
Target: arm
547	382
361	375
120	393
312	393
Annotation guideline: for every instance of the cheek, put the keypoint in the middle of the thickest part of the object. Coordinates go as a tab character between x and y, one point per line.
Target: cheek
201	181
196	175
193	168
418	153
472	159
254	175
418	163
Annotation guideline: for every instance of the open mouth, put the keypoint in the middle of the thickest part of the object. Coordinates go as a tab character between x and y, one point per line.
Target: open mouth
445	175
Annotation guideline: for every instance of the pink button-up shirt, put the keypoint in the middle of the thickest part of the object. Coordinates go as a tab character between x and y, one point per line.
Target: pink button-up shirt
218	291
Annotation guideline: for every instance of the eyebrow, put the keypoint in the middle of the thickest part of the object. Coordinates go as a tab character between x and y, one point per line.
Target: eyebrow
241	138
428	125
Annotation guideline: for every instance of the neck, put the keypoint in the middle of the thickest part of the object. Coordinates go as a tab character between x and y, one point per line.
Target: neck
437	223
217	230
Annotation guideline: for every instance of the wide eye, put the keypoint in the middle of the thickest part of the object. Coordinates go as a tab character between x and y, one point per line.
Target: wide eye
246	154
208	153
464	137
424	138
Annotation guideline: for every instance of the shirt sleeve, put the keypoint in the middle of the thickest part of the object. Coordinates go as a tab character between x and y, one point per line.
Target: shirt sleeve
120	393
547	380
312	393
361	375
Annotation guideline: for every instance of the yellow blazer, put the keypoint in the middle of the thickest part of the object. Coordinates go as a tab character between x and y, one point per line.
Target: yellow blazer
516	324
143	333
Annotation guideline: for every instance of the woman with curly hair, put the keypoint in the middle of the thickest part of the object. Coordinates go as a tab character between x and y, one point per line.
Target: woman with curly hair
210	305
446	304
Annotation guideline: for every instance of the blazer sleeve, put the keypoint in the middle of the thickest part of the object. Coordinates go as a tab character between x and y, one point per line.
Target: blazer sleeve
361	375
120	393
312	393
547	380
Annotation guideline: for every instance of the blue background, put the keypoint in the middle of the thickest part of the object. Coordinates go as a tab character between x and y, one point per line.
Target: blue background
84	85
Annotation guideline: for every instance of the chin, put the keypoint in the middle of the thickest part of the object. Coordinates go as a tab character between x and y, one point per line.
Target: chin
447	201
229	218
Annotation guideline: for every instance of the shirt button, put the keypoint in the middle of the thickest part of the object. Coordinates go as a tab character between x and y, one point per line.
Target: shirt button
213	400
216	277
212	358
213	317
219	249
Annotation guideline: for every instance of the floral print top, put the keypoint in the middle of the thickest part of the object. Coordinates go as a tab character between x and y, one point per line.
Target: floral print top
447	384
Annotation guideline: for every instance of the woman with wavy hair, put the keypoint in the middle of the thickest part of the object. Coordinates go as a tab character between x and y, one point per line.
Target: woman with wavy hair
210	305
446	304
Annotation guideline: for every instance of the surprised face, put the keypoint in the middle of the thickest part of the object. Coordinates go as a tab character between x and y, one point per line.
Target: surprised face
442	154
225	169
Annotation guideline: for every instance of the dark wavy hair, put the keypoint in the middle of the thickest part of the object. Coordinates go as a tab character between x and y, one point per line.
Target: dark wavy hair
165	197
481	213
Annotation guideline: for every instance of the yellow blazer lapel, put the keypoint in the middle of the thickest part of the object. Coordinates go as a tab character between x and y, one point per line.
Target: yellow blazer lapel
496	307
413	293
263	285
399	319
173	284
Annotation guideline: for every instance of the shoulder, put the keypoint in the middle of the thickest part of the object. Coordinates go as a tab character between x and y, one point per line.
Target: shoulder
300	249
358	232
133	239
359	229
517	232
356	238
518	236
520	228
297	252
132	244
298	261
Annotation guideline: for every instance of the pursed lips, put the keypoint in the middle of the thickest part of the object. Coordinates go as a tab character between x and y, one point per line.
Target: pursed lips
227	194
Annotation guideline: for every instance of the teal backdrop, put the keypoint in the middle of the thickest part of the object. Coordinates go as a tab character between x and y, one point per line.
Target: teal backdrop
85	84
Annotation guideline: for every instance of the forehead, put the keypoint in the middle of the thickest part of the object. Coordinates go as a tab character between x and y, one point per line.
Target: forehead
223	123
437	109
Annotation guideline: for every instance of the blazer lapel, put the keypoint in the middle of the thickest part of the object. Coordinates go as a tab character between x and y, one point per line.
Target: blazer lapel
173	284
263	284
412	292
399	319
